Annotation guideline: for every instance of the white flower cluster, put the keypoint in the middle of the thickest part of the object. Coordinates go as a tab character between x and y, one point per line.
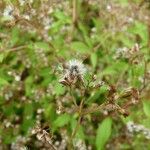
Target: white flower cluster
8	12
122	52
74	71
19	144
79	144
125	52
138	128
23	2
8	95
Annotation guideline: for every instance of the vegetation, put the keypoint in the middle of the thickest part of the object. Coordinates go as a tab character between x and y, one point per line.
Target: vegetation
74	74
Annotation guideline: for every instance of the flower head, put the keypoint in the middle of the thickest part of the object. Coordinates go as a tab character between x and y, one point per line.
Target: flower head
138	128
76	67
8	12
74	71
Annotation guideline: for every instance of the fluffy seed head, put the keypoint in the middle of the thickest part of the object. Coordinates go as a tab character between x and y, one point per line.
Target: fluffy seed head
76	67
74	71
8	12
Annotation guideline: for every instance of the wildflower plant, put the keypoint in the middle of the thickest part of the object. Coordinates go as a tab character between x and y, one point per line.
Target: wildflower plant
74	74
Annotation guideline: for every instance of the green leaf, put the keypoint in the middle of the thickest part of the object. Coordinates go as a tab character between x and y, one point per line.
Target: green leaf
56	26
49	112
94	59
1	58
3	81
80	47
140	29
28	86
146	107
28	117
62	17
59	89
94	96
103	133
108	71
42	45
85	34
61	121
15	38
80	132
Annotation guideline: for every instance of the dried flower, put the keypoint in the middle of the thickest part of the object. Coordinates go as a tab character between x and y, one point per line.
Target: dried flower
43	136
128	53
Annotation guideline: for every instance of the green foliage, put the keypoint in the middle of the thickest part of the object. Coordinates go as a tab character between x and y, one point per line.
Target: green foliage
103	133
80	47
94	59
37	39
61	121
80	133
146	108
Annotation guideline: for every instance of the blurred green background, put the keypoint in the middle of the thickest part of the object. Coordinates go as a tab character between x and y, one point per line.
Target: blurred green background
36	37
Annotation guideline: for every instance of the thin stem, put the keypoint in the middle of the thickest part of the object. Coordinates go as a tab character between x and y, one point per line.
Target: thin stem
74	19
74	12
144	80
121	76
78	123
79	119
93	109
121	110
52	146
71	93
13	49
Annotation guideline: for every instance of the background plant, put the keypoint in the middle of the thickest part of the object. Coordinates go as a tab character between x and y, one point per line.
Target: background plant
43	106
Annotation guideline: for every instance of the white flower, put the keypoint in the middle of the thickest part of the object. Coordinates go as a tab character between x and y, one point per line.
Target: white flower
26	17
74	71
130	126
17	78
22	2
79	144
8	12
76	67
122	52
138	128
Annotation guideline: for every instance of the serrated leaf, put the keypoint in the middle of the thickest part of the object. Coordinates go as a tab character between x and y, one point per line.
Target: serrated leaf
103	133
